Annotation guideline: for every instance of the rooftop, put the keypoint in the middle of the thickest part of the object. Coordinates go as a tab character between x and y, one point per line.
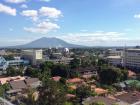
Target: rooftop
57	78
8	79
74	80
18	85
100	91
114	57
130	97
106	100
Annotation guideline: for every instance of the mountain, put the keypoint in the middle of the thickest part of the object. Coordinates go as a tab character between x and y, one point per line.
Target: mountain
47	43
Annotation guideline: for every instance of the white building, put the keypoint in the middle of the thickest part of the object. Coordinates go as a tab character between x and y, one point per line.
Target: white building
34	56
115	60
115	52
115	56
132	58
129	58
3	52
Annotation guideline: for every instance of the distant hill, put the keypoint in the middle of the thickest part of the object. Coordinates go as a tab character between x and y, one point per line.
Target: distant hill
47	43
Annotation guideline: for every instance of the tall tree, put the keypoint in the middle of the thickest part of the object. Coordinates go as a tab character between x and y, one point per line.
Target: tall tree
110	75
75	63
82	92
51	93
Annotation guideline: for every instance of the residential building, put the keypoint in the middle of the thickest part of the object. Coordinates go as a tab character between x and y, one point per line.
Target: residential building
114	56
34	56
132	58
114	52
3	63
115	60
63	60
3	52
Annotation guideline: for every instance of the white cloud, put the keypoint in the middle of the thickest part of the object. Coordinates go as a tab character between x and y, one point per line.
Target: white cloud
42	19
84	30
33	14
43	12
7	10
137	16
99	38
24	6
10	29
50	12
15	1
43	28
46	0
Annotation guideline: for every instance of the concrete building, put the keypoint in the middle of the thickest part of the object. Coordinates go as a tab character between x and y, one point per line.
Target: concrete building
129	58
34	56
114	56
3	52
115	60
3	64
63	60
132	58
114	52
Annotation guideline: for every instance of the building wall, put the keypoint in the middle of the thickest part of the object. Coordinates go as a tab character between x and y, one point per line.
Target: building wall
115	61
132	58
33	55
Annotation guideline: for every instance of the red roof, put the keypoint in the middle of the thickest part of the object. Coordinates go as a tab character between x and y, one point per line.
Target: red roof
70	96
100	91
57	78
131	73
74	80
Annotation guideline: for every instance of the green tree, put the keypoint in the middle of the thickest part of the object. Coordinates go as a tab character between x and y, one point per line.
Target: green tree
60	70
30	99
51	92
101	62
110	75
46	66
68	103
83	92
98	103
3	89
133	85
75	63
32	72
12	71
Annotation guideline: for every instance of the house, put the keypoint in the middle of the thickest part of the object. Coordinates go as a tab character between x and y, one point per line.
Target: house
32	82
87	70
74	80
57	78
72	87
131	74
132	97
106	100
100	91
18	85
70	96
87	76
8	79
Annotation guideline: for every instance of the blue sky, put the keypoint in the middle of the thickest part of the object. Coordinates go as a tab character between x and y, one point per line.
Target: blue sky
85	22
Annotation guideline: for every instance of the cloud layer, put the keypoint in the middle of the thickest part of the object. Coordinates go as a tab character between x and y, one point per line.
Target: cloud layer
50	12
43	19
15	1
99	38
7	10
42	28
33	14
